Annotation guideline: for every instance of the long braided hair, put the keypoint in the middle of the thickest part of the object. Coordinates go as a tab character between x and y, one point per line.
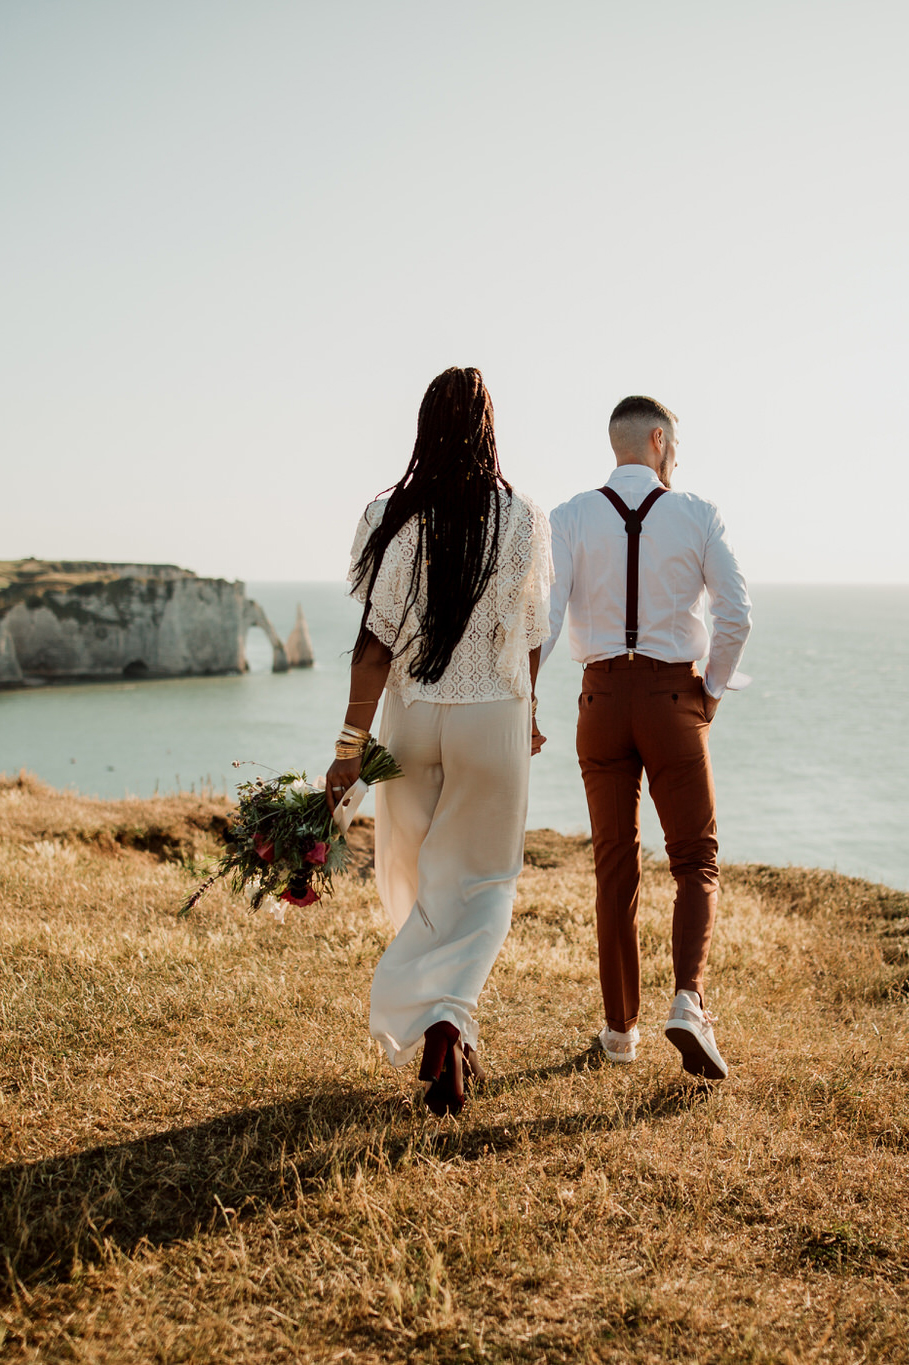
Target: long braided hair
451	488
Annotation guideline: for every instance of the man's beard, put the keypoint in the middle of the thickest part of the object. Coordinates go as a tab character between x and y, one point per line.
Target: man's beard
665	474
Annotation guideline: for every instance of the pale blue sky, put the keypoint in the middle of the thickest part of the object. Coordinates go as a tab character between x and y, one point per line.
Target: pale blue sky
240	239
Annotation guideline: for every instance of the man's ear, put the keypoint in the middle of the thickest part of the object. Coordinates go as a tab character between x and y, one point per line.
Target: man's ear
657	439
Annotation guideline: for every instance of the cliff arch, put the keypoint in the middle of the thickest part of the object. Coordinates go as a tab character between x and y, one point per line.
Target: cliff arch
253	615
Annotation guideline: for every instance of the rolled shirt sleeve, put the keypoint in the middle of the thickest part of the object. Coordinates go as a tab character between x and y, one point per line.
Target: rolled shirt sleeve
730	608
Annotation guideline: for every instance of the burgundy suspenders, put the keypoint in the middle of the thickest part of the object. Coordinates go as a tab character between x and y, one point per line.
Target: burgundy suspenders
632	520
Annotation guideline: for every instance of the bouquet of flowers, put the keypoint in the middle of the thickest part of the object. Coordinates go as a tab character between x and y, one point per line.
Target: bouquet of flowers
283	846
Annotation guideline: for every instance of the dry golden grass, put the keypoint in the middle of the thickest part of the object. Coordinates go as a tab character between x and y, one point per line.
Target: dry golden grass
205	1159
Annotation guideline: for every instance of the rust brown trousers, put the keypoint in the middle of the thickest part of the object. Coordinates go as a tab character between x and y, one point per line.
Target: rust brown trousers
639	715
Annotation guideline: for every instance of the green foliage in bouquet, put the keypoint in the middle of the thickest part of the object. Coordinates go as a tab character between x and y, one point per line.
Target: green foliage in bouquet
283	842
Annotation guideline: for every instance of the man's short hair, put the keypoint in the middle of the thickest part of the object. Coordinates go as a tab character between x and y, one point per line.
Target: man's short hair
639	408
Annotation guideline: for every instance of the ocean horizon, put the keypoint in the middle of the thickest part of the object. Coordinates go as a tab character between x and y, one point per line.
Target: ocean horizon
811	761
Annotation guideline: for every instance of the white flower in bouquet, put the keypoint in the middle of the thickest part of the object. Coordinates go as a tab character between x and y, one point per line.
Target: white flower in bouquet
295	795
276	908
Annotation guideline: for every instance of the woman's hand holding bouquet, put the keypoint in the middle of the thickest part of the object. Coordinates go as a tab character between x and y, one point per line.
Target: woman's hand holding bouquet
283	844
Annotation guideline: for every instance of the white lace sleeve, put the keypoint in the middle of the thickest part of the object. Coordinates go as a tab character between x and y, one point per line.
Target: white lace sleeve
525	575
388	599
368	523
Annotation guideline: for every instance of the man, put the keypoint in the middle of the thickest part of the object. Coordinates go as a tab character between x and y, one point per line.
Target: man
633	563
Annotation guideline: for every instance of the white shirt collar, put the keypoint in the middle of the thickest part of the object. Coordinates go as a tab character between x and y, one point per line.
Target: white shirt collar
639	474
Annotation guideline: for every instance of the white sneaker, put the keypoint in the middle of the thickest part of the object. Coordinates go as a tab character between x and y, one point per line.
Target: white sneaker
690	1029
619	1047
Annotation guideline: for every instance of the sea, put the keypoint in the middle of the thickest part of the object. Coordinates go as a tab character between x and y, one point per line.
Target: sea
811	761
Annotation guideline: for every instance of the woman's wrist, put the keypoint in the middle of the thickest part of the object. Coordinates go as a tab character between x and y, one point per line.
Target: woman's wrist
360	714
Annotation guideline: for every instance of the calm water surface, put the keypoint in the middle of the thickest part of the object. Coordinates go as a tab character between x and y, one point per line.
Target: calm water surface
812	761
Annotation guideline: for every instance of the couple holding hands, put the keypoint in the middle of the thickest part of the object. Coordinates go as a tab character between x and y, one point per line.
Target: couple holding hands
464	591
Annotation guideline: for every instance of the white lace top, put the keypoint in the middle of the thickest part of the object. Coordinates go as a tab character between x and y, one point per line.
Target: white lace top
512	617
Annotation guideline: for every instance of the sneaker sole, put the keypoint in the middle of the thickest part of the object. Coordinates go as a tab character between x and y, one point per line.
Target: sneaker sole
696	1060
624	1060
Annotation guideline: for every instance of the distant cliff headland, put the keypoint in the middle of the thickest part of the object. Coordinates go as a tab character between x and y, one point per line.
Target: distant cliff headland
81	621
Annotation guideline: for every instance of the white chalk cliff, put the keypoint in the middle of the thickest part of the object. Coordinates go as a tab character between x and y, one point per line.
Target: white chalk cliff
76	620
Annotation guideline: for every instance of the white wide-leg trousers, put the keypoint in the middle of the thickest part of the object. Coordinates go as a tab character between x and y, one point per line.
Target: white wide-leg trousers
449	848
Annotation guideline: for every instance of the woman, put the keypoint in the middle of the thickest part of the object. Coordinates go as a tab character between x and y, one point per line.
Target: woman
454	570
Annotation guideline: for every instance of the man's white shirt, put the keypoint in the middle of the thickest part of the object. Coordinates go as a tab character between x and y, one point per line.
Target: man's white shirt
685	558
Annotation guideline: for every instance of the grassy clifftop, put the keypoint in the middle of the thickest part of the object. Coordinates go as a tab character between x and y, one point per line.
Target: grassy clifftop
204	1158
20	578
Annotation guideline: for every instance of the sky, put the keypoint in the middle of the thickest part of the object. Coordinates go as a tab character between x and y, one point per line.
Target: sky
240	237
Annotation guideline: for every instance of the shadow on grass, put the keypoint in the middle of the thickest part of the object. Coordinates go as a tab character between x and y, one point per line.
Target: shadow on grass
672	1097
171	1186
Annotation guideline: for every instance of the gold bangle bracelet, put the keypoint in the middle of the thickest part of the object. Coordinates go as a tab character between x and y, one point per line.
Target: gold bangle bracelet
361	740
353	732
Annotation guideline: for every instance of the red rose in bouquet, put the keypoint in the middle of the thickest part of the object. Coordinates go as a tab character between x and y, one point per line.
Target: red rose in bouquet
264	847
309	899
